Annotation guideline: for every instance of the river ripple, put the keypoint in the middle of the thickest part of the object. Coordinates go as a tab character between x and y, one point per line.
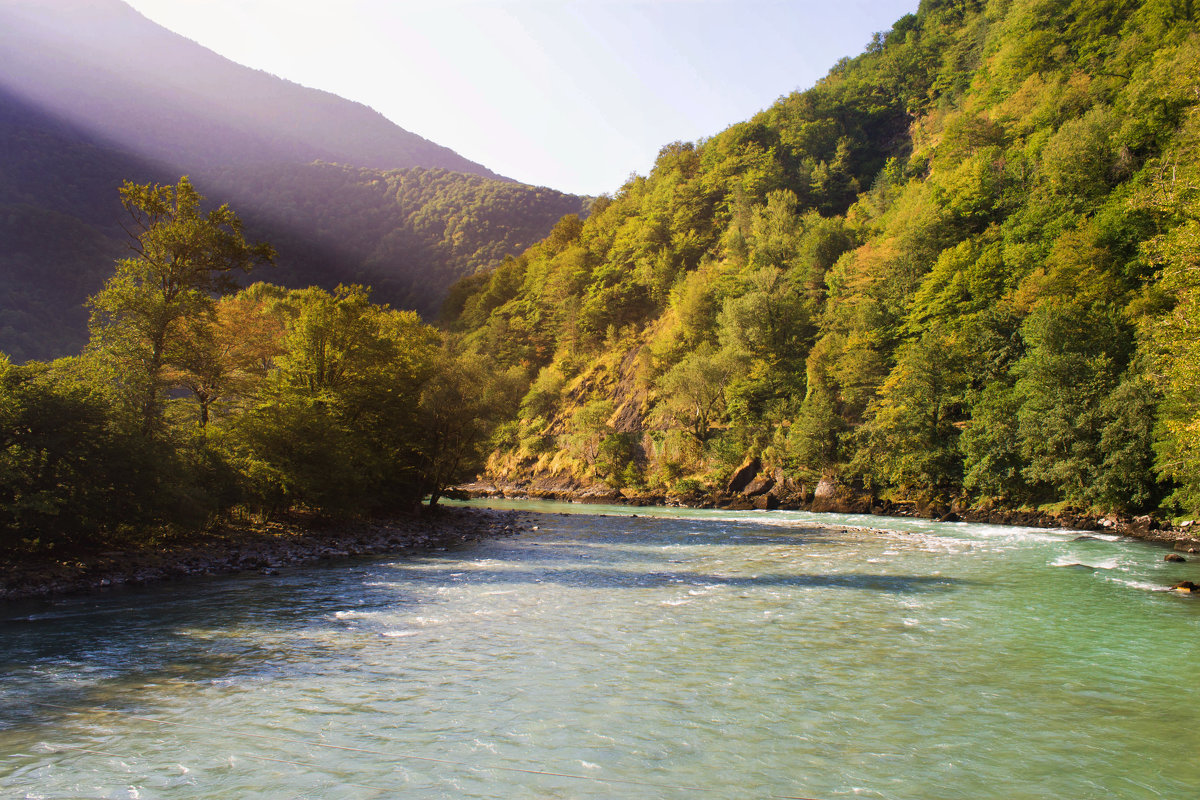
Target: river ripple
672	654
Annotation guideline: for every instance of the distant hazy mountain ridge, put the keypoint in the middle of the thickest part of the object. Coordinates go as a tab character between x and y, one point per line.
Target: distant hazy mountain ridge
93	94
140	87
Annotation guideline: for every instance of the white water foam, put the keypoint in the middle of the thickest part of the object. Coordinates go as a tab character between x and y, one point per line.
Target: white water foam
1069	561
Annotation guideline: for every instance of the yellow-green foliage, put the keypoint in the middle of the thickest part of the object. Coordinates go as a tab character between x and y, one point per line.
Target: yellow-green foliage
189	405
927	273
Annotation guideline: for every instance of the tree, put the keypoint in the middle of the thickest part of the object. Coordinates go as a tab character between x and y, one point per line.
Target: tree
183	257
693	391
991	447
813	445
337	426
912	436
224	353
1064	380
1173	336
67	473
460	407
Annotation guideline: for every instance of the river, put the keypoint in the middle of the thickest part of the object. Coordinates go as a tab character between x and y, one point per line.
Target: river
627	653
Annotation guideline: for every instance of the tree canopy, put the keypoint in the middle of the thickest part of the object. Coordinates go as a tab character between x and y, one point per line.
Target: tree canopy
197	401
958	269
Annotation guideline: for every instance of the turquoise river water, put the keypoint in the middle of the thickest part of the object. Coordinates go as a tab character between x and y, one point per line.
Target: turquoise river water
628	653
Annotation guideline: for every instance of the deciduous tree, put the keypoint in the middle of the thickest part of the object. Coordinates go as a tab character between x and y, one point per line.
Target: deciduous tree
183	257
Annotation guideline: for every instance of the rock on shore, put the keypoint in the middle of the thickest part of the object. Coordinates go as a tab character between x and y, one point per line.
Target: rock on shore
260	548
751	488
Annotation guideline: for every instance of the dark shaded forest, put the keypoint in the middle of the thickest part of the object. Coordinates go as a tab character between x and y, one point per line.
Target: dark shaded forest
196	402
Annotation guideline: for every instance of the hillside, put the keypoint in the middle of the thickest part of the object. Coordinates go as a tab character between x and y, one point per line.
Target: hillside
407	233
957	271
134	85
92	94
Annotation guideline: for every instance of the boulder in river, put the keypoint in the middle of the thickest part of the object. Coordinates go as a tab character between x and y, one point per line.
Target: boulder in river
1185	586
1174	557
766	502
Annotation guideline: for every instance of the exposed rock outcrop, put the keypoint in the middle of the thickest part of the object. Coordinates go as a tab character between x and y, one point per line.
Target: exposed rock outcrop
743	475
760	485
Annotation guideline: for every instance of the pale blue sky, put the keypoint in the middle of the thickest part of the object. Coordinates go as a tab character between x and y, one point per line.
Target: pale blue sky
571	94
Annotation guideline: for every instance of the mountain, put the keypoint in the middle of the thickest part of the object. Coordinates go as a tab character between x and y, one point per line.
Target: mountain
959	271
406	233
105	68
93	94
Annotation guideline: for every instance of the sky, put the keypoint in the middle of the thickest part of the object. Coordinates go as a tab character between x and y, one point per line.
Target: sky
571	94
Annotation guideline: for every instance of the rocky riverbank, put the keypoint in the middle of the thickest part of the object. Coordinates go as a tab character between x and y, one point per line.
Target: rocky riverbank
751	487
263	548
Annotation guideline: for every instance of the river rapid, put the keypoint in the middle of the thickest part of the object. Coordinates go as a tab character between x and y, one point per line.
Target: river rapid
628	653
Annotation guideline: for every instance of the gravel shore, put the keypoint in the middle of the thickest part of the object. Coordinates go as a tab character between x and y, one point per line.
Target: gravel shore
258	548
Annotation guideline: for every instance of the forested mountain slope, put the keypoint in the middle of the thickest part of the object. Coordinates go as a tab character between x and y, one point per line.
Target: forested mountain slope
961	268
407	233
92	94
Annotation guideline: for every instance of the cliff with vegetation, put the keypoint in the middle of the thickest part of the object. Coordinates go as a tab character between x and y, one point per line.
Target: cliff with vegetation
960	270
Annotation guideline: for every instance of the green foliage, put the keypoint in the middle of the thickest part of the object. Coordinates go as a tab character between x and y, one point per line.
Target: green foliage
189	406
335	423
693	392
459	407
1127	474
1063	382
72	471
960	267
183	257
1172	336
991	446
912	436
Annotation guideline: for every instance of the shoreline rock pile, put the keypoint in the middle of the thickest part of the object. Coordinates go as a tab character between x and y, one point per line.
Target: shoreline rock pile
262	548
752	488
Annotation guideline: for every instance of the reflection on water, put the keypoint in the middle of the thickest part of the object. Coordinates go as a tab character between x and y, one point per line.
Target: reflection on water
672	654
